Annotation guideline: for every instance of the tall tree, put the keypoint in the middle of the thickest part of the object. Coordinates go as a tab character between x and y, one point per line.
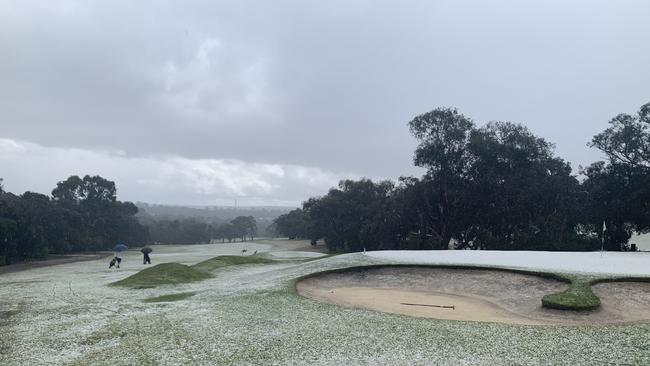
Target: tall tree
627	140
443	135
523	196
352	217
295	224
619	188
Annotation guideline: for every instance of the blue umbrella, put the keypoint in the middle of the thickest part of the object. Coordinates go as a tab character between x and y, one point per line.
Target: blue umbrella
120	248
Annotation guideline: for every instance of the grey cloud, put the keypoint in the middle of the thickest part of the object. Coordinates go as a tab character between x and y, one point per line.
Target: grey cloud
320	84
169	179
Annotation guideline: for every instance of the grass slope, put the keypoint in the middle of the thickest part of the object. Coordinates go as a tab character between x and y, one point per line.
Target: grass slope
175	273
163	274
229	260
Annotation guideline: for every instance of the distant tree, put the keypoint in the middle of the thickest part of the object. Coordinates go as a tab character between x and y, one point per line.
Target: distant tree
180	231
225	231
294	225
244	227
352	217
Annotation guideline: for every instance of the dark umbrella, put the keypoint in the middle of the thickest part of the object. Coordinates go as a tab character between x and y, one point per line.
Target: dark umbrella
120	248
146	250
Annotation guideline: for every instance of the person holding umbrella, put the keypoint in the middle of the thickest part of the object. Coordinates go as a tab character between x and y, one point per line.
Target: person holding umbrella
146	251
118	248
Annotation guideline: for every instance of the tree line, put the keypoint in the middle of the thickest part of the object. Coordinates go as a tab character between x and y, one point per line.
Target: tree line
82	214
497	187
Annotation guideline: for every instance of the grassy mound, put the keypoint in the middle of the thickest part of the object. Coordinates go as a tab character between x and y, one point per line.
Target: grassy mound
171	297
577	297
163	274
229	260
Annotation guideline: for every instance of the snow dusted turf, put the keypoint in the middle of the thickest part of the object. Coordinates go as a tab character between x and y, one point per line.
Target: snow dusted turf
295	254
616	263
251	315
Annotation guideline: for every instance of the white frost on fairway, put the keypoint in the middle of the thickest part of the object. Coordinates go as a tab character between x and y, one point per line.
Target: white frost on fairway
619	263
250	315
296	254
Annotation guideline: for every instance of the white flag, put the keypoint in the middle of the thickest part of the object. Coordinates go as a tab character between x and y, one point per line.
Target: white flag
604	227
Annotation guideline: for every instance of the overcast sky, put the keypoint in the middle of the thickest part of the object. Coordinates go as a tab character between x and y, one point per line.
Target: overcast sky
270	102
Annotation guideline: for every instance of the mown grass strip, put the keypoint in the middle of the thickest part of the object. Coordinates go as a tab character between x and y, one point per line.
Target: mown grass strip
212	264
163	274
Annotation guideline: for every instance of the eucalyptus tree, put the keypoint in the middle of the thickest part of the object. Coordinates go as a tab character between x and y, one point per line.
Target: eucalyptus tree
524	197
619	187
352	217
443	135
295	224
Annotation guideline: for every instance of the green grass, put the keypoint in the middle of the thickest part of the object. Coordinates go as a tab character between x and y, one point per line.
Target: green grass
171	297
163	274
577	297
230	260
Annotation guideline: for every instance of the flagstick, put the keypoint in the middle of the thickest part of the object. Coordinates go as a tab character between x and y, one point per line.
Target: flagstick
602	241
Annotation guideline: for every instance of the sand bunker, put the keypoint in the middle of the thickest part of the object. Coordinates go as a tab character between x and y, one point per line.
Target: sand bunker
471	295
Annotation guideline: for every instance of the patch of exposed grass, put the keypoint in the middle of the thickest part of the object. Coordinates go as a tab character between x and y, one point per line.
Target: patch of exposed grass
163	274
230	260
577	297
171	297
109	332
7	314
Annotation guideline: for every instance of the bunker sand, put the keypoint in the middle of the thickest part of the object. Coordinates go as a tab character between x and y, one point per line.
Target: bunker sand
475	294
420	304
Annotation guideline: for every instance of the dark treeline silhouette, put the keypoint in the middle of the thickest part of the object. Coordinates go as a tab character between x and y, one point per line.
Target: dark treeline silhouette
491	187
81	215
193	230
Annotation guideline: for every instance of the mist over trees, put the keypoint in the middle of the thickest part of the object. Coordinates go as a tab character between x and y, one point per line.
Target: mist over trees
210	222
82	214
193	230
492	187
